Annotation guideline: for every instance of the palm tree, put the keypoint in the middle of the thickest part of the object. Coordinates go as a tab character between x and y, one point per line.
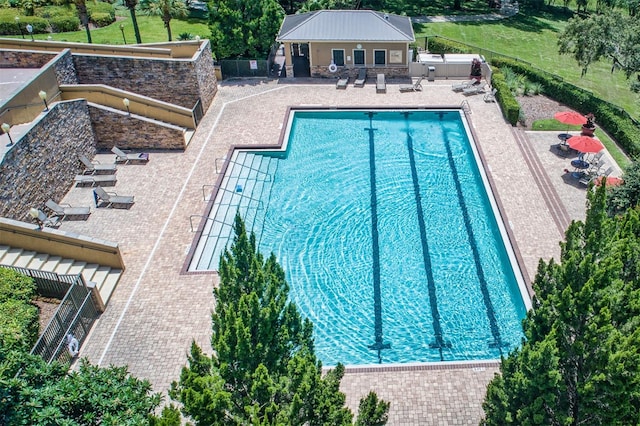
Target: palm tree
166	9
83	14
131	5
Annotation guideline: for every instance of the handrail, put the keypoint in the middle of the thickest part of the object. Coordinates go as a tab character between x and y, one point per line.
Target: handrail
465	106
140	105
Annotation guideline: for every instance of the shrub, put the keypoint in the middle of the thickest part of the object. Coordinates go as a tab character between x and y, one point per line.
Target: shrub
8	25
613	119
62	24
441	45
101	7
18	325
48	12
101	19
16	286
506	99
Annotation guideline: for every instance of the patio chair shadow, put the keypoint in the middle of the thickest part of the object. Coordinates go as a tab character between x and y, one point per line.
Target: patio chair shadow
570	154
569	179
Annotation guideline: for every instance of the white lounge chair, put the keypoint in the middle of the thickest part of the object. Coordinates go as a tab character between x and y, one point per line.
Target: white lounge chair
95	180
103	198
415	87
65	211
490	97
459	87
130	158
381	84
94	167
43	220
474	90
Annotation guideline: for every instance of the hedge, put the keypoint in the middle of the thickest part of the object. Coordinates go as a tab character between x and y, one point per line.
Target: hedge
613	119
101	19
62	24
508	103
101	7
19	326
8	25
16	286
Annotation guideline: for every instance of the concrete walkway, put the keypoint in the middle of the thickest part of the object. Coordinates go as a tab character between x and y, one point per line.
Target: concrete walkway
157	310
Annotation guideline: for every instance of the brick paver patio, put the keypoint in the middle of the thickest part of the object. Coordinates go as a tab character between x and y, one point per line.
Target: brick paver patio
155	312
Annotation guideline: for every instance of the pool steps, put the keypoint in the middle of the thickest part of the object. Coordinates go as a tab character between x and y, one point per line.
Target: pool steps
248	177
104	277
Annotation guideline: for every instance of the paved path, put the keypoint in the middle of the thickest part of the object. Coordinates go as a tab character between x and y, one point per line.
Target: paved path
157	310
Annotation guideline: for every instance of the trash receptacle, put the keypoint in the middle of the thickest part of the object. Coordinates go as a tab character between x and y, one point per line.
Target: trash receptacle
432	74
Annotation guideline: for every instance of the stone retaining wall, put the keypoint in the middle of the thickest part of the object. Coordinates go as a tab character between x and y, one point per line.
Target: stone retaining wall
64	69
114	127
21	59
43	162
390	72
171	80
205	73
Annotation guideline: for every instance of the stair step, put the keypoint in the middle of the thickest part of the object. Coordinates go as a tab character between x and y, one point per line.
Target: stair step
38	260
89	270
109	284
76	268
3	251
24	259
63	266
51	263
100	275
11	256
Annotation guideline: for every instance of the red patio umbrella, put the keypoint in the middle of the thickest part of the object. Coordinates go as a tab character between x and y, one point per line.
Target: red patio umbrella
611	181
570	117
585	144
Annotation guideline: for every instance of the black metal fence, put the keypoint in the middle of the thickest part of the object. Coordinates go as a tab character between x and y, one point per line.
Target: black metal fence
244	68
74	317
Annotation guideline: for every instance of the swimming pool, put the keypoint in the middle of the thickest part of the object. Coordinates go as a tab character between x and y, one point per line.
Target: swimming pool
387	235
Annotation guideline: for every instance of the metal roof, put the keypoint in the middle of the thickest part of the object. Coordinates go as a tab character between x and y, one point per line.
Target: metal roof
346	25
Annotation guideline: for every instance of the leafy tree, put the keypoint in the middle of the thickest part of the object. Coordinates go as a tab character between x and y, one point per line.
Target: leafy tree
263	370
244	28
165	9
49	394
580	360
131	5
612	35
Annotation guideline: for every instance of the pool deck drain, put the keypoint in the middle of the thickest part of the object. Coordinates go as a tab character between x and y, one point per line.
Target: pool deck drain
157	309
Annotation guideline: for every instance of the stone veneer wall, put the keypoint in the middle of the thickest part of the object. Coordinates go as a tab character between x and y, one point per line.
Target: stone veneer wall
114	127
205	73
170	80
390	72
64	69
44	161
21	59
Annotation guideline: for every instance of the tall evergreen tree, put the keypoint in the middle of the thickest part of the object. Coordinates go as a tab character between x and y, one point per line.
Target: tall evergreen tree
83	14
580	360
263	369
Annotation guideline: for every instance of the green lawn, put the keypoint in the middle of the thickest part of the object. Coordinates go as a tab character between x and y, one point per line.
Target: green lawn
534	39
152	30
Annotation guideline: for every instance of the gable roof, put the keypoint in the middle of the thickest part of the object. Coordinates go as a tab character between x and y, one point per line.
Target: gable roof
346	25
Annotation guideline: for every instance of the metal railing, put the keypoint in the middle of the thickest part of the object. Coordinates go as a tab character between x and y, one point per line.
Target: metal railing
74	317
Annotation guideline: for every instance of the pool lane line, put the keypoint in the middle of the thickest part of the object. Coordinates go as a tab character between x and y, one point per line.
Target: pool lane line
377	300
439	343
491	315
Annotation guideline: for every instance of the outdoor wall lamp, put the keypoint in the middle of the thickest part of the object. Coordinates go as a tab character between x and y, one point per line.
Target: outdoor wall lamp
5	128
43	96
122	30
17	18
125	101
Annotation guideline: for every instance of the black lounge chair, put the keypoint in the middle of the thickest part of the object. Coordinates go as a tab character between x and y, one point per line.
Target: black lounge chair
103	198
362	77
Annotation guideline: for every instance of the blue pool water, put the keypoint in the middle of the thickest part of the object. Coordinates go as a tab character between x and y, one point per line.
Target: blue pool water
387	235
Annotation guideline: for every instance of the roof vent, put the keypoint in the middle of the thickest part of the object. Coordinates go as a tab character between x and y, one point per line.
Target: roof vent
386	16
